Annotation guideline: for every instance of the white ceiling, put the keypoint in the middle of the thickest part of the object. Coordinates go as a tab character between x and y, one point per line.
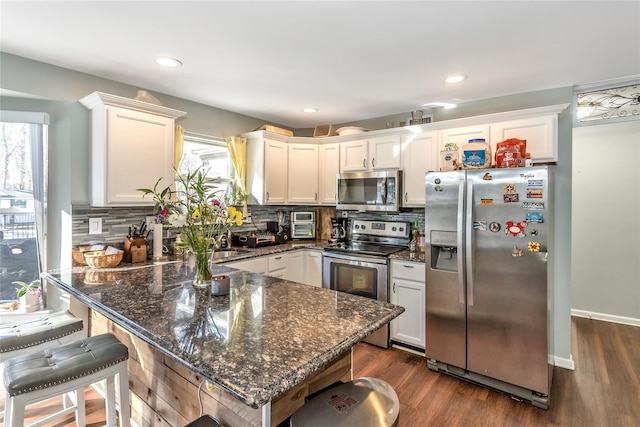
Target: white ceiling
351	60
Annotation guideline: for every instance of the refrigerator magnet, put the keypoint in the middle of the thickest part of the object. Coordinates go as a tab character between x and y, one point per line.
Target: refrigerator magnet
515	229
533	206
534	217
533	246
535	182
487	177
480	225
534	232
534	193
516	252
511	198
494	227
509	188
486	202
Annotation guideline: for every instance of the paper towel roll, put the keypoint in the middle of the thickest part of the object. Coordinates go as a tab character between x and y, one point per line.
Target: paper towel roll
157	241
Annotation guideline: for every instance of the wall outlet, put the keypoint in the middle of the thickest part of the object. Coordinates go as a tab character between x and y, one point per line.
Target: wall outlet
95	225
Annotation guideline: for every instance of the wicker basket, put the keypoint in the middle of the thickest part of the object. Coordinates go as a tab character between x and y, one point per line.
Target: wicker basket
98	259
78	254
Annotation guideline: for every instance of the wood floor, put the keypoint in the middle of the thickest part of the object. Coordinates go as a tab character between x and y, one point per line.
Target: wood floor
603	391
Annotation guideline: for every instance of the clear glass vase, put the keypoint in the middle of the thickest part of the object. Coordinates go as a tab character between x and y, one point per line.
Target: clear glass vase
202	277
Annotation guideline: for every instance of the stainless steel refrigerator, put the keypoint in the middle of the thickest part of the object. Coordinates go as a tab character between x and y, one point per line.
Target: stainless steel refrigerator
488	238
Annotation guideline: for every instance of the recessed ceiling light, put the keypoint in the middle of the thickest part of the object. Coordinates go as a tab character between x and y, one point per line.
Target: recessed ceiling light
446	105
165	61
309	110
455	79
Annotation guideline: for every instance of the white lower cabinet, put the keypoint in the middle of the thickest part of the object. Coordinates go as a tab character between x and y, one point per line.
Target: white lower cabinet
254	265
295	266
408	291
313	268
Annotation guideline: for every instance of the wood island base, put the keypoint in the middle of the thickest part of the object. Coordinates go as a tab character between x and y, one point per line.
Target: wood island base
164	392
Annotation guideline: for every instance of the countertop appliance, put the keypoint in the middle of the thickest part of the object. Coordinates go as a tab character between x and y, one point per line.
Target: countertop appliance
258	238
338	230
369	191
303	225
360	265
488	238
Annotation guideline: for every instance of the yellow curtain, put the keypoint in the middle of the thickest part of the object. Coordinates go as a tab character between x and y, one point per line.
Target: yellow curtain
238	152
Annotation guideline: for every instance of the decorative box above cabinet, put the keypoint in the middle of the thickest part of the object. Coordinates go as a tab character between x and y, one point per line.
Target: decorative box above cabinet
131	147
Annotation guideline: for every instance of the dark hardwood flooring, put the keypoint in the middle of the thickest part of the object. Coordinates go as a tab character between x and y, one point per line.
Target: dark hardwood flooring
603	391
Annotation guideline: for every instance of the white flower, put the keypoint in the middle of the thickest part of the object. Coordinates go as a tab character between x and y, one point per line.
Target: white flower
176	220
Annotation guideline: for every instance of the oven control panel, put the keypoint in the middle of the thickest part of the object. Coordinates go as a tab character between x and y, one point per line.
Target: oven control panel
392	229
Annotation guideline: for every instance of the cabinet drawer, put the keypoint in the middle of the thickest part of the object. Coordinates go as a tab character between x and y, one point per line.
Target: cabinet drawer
408	270
277	262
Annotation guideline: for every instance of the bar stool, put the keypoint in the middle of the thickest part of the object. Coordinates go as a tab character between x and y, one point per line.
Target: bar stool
44	374
24	337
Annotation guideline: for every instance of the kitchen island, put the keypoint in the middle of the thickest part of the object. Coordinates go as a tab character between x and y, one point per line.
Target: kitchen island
251	356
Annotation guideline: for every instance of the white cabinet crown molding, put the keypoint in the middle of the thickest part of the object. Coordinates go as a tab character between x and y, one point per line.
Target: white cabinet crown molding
97	99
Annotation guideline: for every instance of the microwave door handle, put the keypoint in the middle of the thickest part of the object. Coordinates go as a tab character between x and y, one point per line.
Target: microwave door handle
383	190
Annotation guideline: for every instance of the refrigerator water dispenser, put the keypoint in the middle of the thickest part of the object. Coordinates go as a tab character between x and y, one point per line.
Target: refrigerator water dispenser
444	258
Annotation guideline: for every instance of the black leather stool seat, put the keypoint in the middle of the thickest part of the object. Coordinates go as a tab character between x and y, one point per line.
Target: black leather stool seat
33	332
47	368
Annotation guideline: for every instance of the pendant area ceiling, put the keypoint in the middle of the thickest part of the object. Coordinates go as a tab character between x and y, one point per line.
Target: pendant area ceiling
352	60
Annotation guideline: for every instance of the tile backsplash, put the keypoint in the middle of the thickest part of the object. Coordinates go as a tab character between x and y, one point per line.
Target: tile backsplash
117	220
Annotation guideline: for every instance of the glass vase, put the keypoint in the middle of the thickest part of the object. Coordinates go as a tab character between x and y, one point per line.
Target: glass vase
202	277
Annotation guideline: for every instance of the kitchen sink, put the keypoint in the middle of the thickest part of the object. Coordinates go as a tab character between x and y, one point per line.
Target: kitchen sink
226	253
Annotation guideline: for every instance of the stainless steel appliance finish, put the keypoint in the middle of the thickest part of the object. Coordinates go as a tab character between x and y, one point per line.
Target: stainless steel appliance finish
369	191
487	241
303	225
360	265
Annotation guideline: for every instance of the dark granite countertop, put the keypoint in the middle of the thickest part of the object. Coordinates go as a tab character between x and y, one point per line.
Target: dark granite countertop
406	255
266	336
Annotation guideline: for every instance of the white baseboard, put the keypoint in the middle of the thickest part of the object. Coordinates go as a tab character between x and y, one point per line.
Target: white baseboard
605	317
562	362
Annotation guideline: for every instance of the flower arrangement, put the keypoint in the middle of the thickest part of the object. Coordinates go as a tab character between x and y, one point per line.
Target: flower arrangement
195	209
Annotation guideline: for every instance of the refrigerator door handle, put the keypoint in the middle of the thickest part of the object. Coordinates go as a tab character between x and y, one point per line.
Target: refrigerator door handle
460	242
468	253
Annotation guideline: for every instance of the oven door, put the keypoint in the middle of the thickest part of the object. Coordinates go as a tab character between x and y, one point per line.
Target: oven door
358	275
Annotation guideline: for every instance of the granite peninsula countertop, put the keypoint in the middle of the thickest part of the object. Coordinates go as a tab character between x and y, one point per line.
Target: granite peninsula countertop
263	338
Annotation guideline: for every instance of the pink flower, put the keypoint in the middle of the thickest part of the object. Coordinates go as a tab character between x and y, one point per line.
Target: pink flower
163	212
215	202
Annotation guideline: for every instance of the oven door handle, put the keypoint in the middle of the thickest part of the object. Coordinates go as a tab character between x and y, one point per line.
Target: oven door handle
345	259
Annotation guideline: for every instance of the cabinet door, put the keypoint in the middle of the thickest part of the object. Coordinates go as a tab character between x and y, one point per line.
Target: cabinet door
409	327
462	135
139	150
384	152
277	265
419	156
275	172
253	265
329	164
295	266
539	132
303	174
354	156
313	268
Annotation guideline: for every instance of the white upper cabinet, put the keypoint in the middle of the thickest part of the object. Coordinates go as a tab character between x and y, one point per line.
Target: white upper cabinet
378	153
419	156
539	132
303	174
266	169
462	135
329	166
132	146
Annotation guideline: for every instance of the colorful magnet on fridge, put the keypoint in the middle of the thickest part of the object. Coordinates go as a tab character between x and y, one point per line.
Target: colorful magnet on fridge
516	252
534	193
533	206
486	202
515	229
487	177
511	198
494	227
480	225
533	246
534	232
534	217
509	188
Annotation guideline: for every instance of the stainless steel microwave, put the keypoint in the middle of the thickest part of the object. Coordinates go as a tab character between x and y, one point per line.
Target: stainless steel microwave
369	191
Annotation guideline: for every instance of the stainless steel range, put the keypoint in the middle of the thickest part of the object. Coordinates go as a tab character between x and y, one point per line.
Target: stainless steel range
360	265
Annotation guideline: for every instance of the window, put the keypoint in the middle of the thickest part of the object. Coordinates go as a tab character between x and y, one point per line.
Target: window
23	178
213	155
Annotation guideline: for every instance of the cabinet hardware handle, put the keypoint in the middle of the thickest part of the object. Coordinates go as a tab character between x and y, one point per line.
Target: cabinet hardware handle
406	196
394	287
316	197
407	266
364	163
373	162
278	257
267	195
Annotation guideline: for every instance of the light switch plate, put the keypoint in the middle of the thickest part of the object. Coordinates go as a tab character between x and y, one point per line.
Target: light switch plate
95	225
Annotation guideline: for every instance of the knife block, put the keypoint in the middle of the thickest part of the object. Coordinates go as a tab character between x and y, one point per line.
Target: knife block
135	249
